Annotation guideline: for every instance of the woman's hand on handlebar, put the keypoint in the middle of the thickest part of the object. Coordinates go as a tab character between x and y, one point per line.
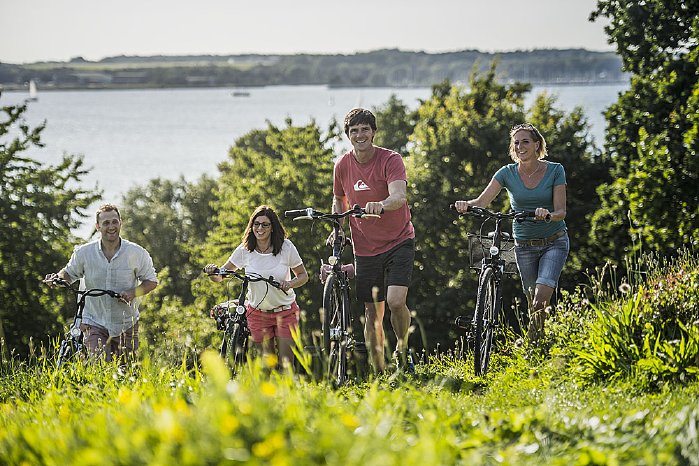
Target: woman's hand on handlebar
210	268
462	206
542	213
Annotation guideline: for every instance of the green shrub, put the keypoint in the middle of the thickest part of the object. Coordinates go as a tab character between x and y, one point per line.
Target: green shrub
651	334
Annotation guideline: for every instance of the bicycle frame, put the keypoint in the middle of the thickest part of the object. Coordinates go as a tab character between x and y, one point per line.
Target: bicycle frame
234	346
338	340
486	319
72	342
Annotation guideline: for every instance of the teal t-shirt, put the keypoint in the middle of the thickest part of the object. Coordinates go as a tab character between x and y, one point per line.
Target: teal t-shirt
526	199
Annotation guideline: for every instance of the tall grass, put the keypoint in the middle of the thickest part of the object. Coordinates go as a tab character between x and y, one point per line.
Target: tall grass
536	406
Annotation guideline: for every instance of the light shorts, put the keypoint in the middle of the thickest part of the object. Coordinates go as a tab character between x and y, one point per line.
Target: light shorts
541	264
267	325
393	267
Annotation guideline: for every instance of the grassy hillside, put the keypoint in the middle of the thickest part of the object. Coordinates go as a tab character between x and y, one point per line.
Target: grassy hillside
614	382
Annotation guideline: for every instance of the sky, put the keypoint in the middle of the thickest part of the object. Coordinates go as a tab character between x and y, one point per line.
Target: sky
58	30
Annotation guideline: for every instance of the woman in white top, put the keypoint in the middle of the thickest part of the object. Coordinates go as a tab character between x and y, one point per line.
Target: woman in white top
265	250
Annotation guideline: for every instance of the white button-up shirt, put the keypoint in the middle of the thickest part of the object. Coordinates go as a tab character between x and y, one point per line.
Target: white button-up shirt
128	268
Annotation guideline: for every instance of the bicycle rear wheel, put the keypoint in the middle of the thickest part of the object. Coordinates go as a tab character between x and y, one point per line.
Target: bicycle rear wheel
485	320
234	347
335	328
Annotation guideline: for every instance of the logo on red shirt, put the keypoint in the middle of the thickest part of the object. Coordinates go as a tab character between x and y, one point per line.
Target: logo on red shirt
361	186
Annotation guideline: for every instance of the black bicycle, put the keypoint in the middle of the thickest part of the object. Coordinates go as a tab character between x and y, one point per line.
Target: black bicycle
231	318
72	343
493	255
338	340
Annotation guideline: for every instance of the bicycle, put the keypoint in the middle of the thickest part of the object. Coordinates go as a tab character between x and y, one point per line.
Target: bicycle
72	343
231	318
495	263
337	340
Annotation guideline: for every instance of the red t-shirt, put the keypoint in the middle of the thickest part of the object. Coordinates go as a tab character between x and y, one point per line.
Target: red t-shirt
368	182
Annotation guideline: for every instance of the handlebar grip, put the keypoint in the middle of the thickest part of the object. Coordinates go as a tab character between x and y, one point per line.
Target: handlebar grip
453	207
292	214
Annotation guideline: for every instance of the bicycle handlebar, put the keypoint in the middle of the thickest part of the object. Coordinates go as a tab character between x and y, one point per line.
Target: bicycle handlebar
480	212
250	277
310	213
91	292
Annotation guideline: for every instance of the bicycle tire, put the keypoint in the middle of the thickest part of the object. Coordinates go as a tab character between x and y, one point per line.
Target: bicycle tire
65	352
234	347
485	320
335	322
69	349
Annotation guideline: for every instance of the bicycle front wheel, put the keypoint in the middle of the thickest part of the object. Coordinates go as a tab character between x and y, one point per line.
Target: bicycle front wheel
485	320
335	328
234	347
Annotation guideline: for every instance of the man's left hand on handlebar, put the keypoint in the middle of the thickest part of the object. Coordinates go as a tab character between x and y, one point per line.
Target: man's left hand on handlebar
374	208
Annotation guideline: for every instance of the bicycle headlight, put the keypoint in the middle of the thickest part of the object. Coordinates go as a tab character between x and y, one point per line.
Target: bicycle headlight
494	250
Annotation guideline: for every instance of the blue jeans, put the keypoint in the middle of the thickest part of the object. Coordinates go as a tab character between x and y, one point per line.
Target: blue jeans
541	264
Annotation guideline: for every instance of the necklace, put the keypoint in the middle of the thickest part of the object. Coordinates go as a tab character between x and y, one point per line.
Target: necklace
538	167
262	251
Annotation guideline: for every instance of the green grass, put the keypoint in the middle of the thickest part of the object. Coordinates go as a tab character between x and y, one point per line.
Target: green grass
537	405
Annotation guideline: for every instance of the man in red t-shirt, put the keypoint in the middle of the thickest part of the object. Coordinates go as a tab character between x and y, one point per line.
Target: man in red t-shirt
384	250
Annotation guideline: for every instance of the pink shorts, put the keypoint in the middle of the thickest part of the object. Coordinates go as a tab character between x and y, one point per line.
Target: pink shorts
266	325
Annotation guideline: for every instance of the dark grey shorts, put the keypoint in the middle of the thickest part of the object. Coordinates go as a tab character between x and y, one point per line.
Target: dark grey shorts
393	267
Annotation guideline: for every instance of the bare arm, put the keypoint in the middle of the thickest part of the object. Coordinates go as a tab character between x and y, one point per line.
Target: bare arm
397	197
486	197
145	287
300	278
210	268
62	274
559	205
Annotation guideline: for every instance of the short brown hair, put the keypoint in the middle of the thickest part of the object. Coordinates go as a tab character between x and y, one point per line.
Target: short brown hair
359	116
106	208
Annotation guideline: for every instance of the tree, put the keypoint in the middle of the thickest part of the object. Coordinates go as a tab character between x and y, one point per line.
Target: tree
653	200
39	206
286	168
397	124
170	219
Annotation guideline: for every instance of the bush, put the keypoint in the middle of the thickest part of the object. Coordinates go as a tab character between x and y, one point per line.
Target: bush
651	333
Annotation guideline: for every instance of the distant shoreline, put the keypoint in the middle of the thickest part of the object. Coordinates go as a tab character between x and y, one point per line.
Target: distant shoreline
378	69
50	88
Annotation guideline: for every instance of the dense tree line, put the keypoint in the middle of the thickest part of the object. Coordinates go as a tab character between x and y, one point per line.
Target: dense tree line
639	193
373	69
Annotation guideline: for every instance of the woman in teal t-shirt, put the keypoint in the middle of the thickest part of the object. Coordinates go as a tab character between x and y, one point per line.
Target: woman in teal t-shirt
541	248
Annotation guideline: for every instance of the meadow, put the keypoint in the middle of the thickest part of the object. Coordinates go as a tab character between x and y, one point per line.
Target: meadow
613	382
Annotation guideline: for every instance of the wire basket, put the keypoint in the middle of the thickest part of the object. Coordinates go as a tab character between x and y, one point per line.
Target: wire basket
479	247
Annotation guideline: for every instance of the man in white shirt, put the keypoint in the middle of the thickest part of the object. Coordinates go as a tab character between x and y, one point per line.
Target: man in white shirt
110	325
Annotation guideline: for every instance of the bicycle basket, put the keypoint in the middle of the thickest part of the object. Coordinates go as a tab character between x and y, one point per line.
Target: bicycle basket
479	247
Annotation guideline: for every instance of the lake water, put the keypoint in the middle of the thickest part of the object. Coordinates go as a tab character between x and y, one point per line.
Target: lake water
131	136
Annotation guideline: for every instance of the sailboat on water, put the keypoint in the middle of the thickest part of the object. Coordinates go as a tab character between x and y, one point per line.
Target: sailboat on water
33	95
